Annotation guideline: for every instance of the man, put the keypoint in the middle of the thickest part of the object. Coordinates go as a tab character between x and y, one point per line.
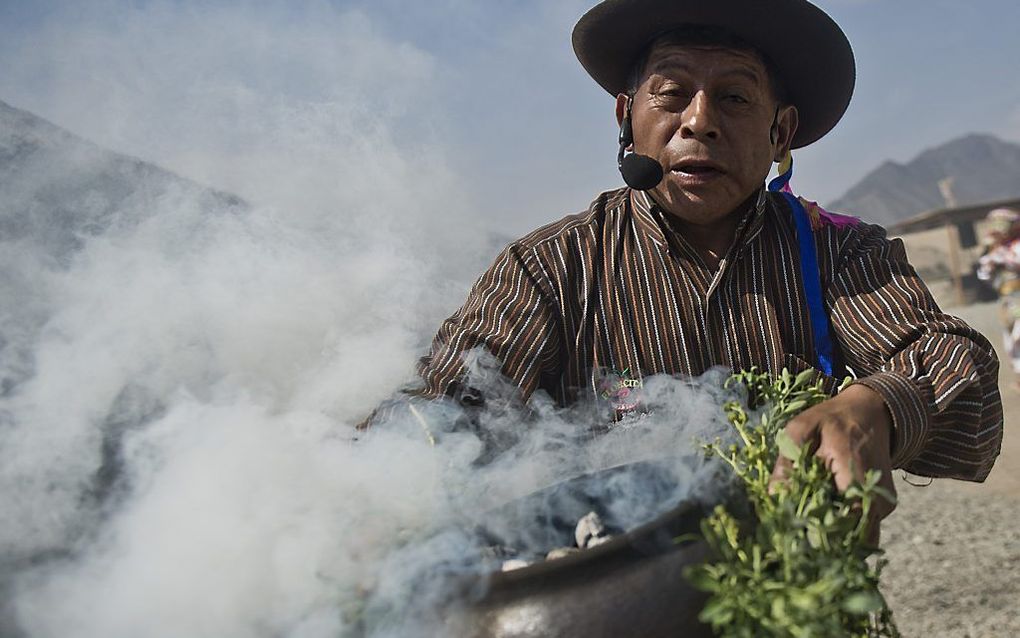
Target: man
705	267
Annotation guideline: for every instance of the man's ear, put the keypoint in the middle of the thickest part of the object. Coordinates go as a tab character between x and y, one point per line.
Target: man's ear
786	123
621	108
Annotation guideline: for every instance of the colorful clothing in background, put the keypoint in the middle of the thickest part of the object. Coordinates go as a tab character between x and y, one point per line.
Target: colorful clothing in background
1000	266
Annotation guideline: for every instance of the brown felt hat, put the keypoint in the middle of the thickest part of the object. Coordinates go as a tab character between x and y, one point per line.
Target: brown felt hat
809	50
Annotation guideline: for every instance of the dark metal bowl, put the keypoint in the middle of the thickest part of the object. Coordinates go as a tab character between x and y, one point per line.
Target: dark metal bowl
632	585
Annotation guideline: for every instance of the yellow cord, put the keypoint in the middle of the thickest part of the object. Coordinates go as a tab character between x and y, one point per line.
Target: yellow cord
424	425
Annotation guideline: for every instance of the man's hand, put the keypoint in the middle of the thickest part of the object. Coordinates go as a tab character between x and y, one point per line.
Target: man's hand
851	433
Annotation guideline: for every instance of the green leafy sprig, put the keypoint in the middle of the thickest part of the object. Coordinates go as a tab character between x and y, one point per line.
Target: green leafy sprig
800	567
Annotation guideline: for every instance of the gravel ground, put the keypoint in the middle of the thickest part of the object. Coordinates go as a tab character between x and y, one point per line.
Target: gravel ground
954	563
954	547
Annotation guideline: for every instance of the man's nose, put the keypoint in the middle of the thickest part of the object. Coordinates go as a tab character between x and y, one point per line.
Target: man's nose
699	120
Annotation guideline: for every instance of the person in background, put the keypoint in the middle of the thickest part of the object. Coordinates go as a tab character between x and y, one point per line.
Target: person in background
1000	267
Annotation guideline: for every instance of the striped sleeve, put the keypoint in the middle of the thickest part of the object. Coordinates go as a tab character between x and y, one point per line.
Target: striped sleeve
938	376
509	312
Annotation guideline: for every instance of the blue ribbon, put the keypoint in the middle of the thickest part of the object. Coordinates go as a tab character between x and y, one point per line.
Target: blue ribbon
809	272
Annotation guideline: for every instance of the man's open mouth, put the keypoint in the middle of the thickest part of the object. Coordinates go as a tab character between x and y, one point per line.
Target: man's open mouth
698	169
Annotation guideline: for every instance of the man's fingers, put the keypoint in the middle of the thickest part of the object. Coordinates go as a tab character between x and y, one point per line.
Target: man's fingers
800	431
780	472
844	467
884	506
848	469
881	507
803	430
842	475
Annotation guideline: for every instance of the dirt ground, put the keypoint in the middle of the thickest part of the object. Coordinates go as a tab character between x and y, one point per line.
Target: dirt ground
954	547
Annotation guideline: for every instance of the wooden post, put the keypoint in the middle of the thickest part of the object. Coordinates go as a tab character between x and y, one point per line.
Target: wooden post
953	236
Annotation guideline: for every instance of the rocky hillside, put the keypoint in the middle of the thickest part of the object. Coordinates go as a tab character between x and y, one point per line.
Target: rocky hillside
984	168
56	191
56	188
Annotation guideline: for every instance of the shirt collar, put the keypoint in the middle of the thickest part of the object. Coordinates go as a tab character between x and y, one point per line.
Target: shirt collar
647	215
654	221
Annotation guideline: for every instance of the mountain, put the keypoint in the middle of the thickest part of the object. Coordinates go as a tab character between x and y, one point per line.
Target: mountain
56	191
57	188
983	167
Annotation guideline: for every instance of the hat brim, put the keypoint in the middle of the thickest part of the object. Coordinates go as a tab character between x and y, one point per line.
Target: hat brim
810	51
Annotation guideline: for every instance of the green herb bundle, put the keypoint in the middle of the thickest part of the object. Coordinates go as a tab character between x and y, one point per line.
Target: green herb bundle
800	568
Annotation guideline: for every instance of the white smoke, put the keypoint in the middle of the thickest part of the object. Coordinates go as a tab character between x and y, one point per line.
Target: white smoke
176	424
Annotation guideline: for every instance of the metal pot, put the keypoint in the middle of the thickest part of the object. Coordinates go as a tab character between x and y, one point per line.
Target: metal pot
632	585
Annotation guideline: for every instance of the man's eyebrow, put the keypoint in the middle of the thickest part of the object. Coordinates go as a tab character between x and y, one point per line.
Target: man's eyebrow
744	72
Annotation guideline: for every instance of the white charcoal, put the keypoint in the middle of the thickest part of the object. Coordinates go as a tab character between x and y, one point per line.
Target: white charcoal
514	563
598	540
590	525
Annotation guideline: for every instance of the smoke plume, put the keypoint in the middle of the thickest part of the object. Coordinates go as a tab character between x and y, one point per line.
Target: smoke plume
181	369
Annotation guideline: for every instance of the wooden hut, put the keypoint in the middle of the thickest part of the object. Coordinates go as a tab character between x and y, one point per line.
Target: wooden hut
944	244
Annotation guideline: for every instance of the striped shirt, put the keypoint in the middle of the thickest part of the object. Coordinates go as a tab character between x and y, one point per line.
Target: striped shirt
618	287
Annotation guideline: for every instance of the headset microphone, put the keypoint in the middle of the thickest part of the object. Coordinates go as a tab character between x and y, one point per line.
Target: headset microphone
640	172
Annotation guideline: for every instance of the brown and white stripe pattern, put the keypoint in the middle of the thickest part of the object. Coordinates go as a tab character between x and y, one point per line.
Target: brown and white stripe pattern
618	287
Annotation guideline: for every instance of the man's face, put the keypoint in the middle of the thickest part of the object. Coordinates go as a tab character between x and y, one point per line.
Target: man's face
705	114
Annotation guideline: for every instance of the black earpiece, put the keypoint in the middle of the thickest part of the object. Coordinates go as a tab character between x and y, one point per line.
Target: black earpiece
626	135
640	172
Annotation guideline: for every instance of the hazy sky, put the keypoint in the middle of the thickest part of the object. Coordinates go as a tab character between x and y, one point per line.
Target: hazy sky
528	134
